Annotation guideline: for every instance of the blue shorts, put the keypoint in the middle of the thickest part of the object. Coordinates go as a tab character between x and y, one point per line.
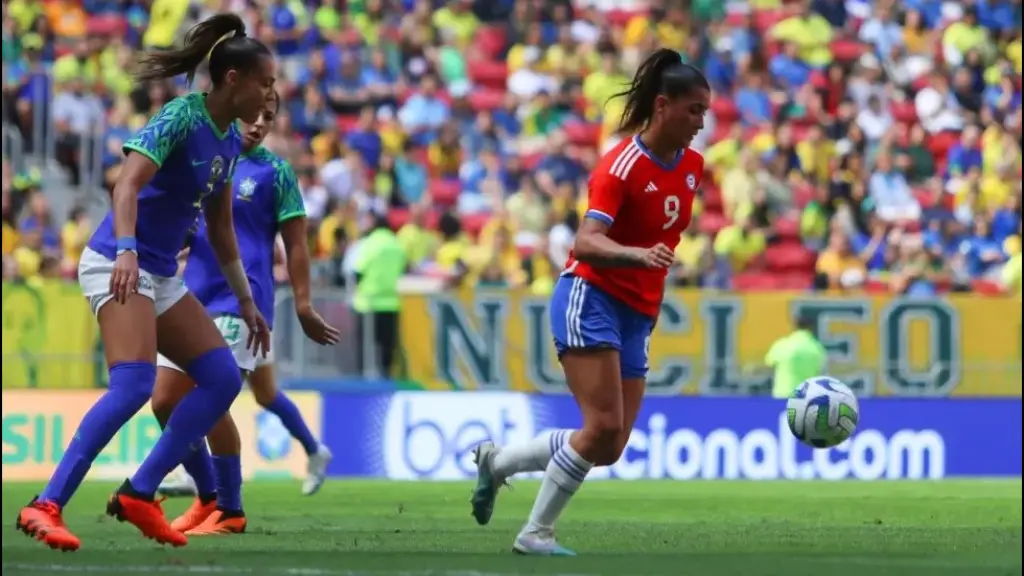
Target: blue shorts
584	316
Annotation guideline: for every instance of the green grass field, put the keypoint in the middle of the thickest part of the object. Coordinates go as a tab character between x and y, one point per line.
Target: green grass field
963	528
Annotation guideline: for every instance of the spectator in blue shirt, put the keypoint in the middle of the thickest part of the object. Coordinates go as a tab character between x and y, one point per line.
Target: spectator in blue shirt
834	11
753	102
983	254
719	67
966	153
882	31
379	80
348	92
310	116
316	72
364	138
410	176
424	112
1003	98
289	23
788	71
1006	220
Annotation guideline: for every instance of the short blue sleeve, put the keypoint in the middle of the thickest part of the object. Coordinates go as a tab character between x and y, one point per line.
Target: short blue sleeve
287	197
164	132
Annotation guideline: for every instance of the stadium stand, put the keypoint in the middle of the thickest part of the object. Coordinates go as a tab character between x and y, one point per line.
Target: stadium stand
852	145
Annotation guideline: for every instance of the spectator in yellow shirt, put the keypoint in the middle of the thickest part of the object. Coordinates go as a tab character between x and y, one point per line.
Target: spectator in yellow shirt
810	31
28	255
694	256
838	266
418	242
963	36
457	18
739	246
73	238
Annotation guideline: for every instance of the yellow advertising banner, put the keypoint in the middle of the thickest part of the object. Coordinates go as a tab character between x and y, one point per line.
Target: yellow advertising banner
39	424
50	338
711	343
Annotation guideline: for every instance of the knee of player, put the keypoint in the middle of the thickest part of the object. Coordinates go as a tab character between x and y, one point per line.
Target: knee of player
217	370
600	438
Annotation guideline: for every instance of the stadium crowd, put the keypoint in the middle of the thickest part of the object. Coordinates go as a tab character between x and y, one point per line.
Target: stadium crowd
852	144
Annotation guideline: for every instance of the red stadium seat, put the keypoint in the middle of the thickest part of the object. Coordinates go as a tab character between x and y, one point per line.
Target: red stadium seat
904	112
474	223
583	134
487	99
488	74
939	144
107	25
788	229
617	17
398	217
530	161
346	123
491	41
711	223
987	288
444	192
725	110
802	195
876	286
712	197
765	19
789	257
847	50
802	281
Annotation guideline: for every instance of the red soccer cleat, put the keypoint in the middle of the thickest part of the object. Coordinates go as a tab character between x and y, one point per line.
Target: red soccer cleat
196	514
43	521
147	515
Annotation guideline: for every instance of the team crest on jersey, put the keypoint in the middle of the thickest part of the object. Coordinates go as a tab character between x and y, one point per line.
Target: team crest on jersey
691	181
246	189
216	168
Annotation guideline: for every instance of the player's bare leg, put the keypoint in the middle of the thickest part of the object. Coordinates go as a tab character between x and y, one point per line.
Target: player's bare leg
593	378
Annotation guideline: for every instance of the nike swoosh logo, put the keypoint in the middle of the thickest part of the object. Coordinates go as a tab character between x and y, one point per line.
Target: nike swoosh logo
199	162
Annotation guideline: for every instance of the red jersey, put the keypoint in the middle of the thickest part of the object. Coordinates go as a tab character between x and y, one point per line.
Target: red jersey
644	202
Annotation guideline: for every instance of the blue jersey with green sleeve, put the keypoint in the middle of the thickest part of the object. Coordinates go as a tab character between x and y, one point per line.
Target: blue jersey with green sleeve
266	194
195	160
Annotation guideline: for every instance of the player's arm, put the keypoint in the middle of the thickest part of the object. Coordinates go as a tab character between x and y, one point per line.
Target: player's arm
220	231
593	246
291	220
145	154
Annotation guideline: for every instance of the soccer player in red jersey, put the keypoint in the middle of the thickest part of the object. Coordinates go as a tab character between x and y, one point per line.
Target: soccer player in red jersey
605	304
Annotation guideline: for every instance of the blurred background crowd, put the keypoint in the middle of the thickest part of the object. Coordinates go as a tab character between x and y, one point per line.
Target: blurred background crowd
852	144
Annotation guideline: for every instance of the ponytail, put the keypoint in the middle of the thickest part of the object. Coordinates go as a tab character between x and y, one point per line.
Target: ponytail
645	87
200	41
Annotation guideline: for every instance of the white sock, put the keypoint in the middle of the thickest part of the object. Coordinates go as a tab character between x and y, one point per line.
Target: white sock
562	478
532	456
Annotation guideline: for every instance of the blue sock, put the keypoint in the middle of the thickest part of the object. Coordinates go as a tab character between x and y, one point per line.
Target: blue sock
229	482
292	419
131	386
200	467
218	382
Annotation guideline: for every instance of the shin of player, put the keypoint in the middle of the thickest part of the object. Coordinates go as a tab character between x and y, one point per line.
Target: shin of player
182	156
640	201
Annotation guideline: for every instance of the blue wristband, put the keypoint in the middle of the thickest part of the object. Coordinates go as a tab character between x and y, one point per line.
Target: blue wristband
127	243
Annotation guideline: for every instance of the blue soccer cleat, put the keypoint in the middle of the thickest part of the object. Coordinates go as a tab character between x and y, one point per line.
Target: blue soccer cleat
539	544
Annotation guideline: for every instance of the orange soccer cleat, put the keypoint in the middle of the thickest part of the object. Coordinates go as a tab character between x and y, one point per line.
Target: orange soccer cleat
43	521
145	514
220	522
196	514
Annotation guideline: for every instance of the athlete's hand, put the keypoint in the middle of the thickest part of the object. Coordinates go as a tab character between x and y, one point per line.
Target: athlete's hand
259	332
124	280
658	256
315	328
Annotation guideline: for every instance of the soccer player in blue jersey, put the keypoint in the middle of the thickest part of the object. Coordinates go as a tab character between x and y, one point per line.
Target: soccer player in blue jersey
267	202
176	168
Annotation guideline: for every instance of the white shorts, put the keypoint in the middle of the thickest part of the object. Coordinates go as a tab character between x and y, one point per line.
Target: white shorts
236	334
95	270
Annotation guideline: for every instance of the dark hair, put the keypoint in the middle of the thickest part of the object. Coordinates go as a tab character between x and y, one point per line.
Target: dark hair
237	52
662	73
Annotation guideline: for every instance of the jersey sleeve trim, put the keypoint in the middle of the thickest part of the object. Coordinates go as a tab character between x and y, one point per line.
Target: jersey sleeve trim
599	216
288	199
132	147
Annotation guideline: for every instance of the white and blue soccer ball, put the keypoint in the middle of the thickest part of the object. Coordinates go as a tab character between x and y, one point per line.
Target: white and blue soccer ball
822	412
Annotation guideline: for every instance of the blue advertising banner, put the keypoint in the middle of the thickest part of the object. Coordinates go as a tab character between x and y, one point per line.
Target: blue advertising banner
430	436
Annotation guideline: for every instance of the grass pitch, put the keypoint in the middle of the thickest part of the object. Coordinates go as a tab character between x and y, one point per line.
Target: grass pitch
379	528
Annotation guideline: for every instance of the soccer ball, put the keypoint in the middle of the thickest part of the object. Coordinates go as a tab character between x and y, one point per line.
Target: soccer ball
822	412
